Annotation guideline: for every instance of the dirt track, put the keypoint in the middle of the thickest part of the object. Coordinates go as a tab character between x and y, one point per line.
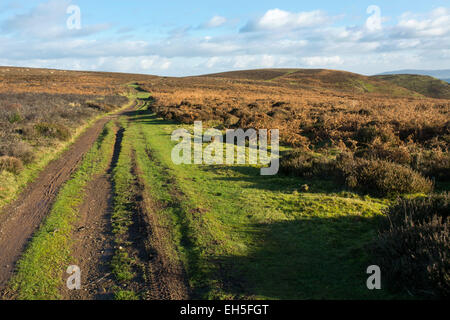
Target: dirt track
156	276
22	218
93	247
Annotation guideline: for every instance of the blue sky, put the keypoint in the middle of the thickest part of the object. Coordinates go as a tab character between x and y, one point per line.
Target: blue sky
178	38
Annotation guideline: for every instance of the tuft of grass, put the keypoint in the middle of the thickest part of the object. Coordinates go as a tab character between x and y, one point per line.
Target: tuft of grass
11	164
126	295
122	266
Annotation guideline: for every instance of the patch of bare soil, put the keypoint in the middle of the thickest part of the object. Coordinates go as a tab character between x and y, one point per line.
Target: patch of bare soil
93	247
21	219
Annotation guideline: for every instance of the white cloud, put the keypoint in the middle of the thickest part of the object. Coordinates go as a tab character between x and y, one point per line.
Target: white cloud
215	22
434	24
279	19
322	61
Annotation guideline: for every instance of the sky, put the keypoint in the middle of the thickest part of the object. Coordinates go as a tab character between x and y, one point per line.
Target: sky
181	38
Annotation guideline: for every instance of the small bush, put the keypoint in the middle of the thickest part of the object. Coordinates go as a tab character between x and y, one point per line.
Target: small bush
435	164
380	177
15	117
301	164
366	134
413	247
374	176
23	151
11	164
57	131
101	106
385	151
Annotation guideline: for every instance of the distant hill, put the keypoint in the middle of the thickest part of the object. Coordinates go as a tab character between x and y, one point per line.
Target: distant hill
425	85
320	79
440	74
259	74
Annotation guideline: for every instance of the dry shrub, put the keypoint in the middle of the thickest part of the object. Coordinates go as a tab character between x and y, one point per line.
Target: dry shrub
57	131
413	246
434	164
302	164
11	164
379	177
17	149
103	107
11	112
366	134
385	151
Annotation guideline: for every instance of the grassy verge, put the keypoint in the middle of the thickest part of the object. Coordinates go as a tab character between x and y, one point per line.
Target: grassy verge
14	184
126	268
241	235
40	269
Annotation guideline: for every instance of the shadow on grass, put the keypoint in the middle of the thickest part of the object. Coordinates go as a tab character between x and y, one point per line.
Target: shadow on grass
304	259
279	182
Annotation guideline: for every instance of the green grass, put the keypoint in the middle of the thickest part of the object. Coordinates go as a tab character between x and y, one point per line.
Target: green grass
242	235
124	209
40	270
126	295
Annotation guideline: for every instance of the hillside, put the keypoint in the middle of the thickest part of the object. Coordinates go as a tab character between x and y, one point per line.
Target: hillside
425	85
440	74
321	79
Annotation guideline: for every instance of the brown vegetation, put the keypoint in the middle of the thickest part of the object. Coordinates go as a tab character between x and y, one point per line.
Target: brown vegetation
29	121
321	111
413	247
40	107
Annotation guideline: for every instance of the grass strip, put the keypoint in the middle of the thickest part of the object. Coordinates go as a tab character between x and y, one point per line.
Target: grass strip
124	209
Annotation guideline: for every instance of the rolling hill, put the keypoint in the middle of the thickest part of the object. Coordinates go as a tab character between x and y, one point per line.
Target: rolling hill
440	74
425	85
322	79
